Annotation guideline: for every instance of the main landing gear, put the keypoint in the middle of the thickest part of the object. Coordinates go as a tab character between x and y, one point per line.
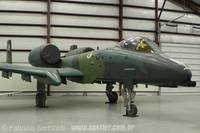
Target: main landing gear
40	97
112	96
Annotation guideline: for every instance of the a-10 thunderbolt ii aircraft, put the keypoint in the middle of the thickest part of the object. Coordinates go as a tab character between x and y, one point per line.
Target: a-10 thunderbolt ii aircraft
133	61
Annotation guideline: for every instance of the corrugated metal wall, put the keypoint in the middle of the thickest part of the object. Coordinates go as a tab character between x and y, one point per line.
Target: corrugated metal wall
181	41
190	55
84	24
24	22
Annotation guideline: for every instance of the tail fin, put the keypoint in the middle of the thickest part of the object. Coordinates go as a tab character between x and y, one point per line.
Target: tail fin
9	52
7	74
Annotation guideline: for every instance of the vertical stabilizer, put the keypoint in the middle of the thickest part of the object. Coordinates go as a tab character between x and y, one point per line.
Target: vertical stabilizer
7	74
9	52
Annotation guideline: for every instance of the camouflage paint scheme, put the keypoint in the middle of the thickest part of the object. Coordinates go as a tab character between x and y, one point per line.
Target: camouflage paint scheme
107	66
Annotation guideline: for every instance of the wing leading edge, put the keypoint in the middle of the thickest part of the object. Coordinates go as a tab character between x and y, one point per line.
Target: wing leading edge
49	76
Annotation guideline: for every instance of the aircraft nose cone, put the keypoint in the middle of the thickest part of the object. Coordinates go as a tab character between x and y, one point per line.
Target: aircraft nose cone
186	74
183	74
185	77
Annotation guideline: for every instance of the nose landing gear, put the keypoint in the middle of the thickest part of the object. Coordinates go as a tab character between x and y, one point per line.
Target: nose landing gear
129	98
129	93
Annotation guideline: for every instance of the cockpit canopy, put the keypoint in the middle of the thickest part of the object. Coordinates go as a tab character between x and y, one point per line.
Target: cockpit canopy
140	44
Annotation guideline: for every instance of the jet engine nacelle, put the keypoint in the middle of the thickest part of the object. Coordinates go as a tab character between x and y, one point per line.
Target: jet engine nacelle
79	51
44	56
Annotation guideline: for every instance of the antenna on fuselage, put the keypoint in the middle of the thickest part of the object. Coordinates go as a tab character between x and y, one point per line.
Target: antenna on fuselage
72	47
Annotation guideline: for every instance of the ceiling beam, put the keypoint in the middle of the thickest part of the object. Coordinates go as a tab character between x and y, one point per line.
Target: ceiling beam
189	4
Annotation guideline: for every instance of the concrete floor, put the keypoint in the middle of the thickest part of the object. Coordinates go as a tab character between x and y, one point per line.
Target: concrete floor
165	114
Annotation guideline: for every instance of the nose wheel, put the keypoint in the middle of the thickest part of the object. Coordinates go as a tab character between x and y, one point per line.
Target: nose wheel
132	112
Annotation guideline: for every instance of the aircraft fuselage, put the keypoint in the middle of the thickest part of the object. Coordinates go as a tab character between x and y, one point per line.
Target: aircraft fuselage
108	65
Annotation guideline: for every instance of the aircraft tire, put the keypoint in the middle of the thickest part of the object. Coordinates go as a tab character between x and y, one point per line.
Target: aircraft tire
113	98
40	100
133	112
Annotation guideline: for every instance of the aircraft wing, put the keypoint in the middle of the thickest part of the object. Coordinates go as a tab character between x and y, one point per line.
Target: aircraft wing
49	76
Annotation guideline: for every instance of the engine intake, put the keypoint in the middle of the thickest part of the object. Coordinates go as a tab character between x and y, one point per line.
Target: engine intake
44	56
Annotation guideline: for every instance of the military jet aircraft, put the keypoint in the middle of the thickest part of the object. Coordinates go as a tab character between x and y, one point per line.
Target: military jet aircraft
137	60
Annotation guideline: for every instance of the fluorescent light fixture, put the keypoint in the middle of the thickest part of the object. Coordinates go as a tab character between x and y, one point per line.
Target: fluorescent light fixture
172	25
196	27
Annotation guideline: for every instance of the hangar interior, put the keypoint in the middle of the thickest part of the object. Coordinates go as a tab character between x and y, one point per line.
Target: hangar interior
30	24
173	24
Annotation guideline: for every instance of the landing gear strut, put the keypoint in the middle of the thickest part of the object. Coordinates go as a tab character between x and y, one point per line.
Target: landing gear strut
40	97
129	98
112	96
129	93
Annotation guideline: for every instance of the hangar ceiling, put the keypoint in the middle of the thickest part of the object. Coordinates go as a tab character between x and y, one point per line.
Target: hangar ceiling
197	2
193	4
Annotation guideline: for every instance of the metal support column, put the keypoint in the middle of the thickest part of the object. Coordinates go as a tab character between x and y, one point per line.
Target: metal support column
156	22
120	32
120	20
157	28
48	32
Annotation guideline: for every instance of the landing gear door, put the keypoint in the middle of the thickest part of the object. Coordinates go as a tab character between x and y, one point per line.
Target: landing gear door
129	76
